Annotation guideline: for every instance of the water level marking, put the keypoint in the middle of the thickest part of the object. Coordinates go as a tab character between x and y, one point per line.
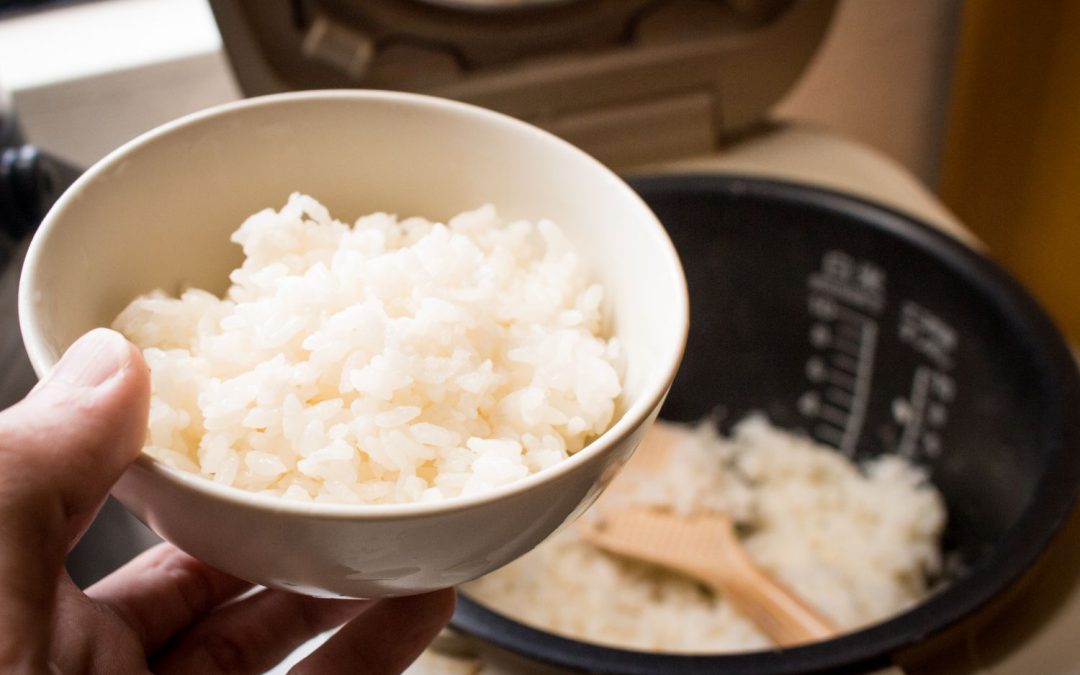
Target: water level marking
861	391
837	416
848	347
840	397
830	435
913	422
845	363
842	379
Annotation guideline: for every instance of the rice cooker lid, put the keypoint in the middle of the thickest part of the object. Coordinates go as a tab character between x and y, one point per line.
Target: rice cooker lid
604	74
494	5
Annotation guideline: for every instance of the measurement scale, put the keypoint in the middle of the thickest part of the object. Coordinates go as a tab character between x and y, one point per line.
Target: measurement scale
847	304
846	295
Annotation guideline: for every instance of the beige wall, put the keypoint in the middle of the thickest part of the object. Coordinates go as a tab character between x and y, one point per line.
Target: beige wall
882	76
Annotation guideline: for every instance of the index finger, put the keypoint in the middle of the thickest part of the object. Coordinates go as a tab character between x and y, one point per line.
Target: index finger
385	639
163	591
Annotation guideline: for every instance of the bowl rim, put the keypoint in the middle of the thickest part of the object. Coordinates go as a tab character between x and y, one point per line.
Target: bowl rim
1018	551
632	417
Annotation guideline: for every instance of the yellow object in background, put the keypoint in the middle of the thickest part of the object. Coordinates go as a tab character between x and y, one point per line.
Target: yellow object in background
1011	169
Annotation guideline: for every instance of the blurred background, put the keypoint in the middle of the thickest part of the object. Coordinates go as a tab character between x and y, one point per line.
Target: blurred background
980	101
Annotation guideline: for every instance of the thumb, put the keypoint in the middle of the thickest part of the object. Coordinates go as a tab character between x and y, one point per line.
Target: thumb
61	450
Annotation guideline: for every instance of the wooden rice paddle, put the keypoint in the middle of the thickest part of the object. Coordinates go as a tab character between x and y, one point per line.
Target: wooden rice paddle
705	547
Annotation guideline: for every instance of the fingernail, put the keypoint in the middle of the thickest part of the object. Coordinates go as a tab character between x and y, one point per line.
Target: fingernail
93	359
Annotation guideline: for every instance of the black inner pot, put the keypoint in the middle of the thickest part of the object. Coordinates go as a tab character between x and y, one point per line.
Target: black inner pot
873	333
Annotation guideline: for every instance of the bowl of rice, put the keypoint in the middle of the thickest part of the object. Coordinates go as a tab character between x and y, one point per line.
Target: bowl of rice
395	341
889	418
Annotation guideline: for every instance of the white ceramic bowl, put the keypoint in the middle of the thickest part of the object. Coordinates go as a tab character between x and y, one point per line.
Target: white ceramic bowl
157	213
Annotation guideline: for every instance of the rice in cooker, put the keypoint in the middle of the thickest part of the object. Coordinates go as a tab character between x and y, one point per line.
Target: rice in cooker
396	360
860	543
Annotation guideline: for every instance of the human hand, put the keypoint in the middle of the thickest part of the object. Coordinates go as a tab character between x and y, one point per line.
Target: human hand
61	450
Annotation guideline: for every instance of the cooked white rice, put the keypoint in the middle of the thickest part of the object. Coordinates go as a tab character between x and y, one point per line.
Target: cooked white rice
391	361
858	543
